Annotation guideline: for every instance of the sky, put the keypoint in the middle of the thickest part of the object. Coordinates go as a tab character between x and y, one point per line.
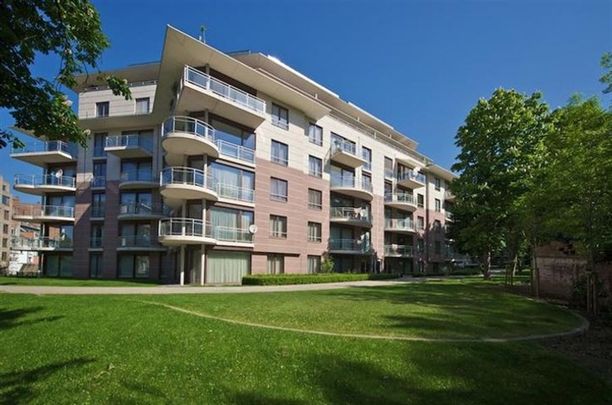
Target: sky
419	65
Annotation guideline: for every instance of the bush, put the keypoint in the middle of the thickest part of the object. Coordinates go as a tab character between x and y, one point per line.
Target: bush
282	279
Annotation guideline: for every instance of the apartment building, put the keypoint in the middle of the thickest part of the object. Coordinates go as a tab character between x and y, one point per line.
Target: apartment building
226	164
6	210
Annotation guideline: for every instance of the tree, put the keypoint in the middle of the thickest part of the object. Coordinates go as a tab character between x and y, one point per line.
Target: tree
500	142
606	78
67	29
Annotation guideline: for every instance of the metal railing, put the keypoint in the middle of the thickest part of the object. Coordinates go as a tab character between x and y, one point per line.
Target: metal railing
400	198
350	213
134	175
350	245
234	151
44	180
410	175
224	90
188	176
229	234
189	125
342	145
189	227
144	209
350	182
399	250
130	141
401	224
61	211
46	146
137	241
19	243
233	192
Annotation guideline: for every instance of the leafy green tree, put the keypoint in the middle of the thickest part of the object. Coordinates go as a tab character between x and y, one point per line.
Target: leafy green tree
500	142
606	78
67	29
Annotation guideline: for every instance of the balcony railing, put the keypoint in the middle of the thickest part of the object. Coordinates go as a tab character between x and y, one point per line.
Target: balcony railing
188	176
61	211
144	209
400	224
350	182
350	245
46	146
134	175
351	214
191	126
233	192
189	227
448	215
340	145
19	243
224	90
234	151
130	141
399	250
229	234
400	198
137	241
410	175
44	180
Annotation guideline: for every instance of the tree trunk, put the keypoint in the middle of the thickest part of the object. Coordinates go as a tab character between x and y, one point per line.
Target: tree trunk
514	267
486	270
535	274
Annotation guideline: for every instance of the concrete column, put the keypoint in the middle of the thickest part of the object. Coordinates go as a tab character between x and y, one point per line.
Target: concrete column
202	264
182	265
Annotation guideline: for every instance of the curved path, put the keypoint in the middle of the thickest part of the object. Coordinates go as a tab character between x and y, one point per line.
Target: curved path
175	289
584	325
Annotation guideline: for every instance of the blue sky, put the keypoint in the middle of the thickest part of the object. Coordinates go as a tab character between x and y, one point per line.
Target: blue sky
418	65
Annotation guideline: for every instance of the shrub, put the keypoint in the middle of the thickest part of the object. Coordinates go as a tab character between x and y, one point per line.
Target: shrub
282	279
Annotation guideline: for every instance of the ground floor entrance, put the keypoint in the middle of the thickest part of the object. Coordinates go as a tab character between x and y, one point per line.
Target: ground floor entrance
398	265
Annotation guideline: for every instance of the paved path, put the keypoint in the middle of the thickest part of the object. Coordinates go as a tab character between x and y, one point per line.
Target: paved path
175	289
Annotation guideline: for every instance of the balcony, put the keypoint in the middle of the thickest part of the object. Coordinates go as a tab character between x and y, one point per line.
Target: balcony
98	182
129	146
234	194
399	251
186	183
185	231
349	185
448	196
350	246
135	210
231	151
41	244
47	183
138	242
399	225
345	152
45	213
135	180
448	216
411	180
42	153
189	136
228	236
350	216
204	92
401	201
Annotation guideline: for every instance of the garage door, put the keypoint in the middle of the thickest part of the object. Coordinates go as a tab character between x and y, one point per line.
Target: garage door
227	267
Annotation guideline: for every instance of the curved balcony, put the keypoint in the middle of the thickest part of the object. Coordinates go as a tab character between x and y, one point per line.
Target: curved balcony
186	183
139	243
42	153
399	225
41	244
189	136
136	210
229	236
185	231
350	216
346	153
134	180
350	246
129	145
401	201
399	251
47	183
238	153
349	185
45	213
411	179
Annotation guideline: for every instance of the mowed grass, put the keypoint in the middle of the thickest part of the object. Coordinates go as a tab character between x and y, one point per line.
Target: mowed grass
117	349
71	282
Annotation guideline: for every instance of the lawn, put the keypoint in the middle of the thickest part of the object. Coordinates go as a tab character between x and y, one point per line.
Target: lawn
80	349
72	282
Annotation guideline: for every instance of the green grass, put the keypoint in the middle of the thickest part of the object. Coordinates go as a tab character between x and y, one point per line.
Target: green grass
117	349
72	282
283	279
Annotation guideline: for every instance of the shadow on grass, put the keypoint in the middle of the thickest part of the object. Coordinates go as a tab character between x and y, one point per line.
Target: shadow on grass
11	318
18	386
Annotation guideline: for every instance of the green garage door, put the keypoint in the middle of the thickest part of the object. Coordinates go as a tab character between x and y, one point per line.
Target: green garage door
227	267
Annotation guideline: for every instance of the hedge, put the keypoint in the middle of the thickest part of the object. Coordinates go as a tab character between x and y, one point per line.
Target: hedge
280	279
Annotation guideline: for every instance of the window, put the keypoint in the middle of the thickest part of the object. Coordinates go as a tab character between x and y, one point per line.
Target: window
136	202
231	225
142	105
229	134
366	154
314	232
102	109
6	200
95	265
420	200
278	227
438	205
97	231
388	167
276	264
99	174
234	183
3	256
315	134
4	242
420	245
280	116
136	170
315	166
421	222
97	204
437	225
134	266
366	181
99	144
5	229
279	153
437	247
278	189
314	264
315	199
437	183
6	214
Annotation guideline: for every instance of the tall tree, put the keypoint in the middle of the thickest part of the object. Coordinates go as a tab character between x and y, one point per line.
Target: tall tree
67	29
500	143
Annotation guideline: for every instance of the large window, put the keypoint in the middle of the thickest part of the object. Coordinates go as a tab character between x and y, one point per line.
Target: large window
278	189
314	232
142	199
95	265
233	183
97	204
315	199
276	264
437	183
314	264
279	153
420	200
421	222
280	116
315	134
102	109
388	167
438	205
278	226
99	144
134	266
228	132
315	166
99	174
231	225
136	170
366	154
135	235
96	235
142	105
